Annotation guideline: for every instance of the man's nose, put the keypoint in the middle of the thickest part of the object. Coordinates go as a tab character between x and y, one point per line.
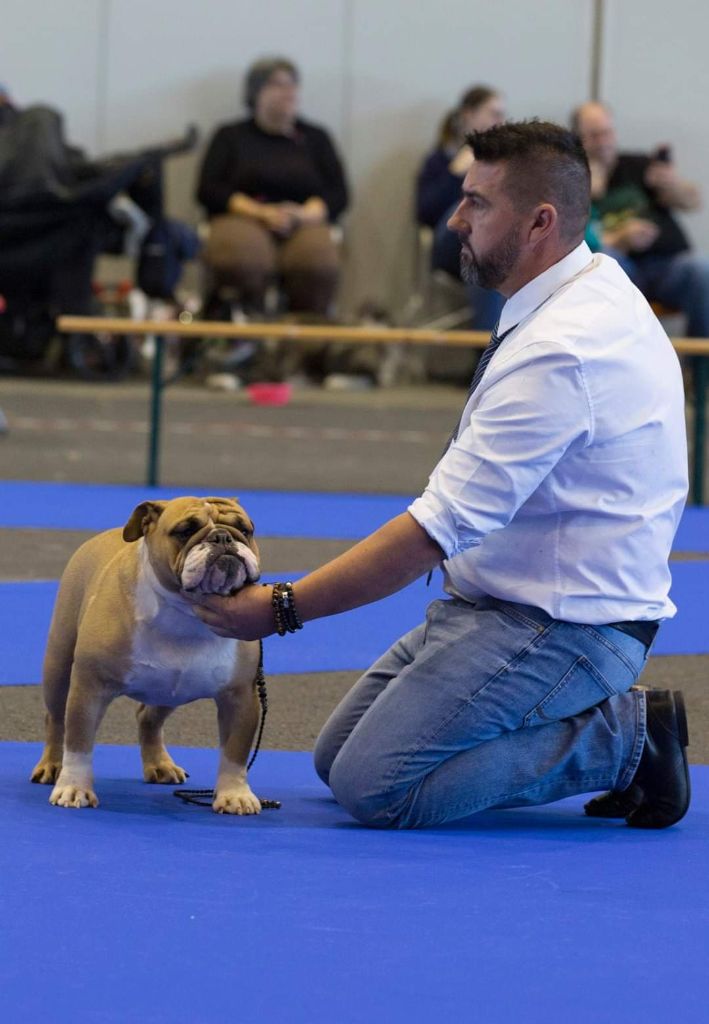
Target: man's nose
458	223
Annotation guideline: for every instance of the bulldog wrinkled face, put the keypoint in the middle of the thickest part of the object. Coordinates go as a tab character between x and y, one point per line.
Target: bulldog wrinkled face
217	552
209	543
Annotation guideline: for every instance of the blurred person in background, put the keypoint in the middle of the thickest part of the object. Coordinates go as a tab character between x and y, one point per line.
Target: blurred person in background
272	185
634	197
438	190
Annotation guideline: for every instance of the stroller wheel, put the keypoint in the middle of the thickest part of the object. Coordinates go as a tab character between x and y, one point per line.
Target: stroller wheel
100	356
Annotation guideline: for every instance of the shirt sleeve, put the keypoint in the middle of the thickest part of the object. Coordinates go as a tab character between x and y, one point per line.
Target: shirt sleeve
335	192
519	427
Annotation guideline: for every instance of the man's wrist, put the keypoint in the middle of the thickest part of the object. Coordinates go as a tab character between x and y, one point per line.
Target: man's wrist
285	613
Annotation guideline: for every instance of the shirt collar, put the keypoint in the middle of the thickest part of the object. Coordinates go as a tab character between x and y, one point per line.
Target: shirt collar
540	288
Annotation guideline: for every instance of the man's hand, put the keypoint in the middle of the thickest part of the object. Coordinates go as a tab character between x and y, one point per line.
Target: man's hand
247	615
393	556
671	190
633	235
661	175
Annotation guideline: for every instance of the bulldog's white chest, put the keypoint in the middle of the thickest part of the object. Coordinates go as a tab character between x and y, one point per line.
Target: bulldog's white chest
174	657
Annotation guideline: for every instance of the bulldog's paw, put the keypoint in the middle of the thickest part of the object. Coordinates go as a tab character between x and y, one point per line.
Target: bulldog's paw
70	795
46	771
164	771
236	800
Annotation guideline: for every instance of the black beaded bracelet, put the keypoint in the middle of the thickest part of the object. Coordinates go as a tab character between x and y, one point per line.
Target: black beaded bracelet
284	610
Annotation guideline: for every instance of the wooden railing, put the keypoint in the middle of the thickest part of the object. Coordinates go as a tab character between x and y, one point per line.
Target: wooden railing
697	347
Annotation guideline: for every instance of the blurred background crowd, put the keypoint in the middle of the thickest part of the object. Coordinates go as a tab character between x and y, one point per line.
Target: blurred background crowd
302	162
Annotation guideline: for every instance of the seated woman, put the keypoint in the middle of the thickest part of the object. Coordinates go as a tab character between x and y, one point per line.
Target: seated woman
438	190
272	185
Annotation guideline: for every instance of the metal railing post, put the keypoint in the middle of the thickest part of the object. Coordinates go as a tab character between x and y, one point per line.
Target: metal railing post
152	479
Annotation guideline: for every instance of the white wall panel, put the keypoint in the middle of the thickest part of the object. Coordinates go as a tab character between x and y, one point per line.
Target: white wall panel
656	79
50	53
410	63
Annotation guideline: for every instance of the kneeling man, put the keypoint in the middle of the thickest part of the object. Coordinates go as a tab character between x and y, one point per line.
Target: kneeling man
552	511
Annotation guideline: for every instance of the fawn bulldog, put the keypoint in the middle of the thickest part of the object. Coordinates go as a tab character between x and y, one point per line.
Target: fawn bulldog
122	625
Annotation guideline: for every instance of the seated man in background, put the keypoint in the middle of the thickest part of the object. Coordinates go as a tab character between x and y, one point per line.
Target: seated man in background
272	185
633	196
438	190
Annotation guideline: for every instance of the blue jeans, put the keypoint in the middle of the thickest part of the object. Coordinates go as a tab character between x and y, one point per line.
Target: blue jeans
485	303
680	282
486	705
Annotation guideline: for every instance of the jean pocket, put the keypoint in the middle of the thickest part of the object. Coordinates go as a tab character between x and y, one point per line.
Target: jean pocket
431	615
580	688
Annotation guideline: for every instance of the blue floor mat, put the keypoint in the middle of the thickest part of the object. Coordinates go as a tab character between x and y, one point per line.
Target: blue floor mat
693	532
345	642
56	506
149	910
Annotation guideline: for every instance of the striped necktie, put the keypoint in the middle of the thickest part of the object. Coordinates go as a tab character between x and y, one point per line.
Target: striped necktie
488	352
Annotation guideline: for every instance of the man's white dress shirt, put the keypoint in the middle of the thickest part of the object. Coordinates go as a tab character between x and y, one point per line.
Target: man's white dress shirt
565	485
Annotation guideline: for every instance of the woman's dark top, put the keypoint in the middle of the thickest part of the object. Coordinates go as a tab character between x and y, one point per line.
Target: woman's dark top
437	189
271	168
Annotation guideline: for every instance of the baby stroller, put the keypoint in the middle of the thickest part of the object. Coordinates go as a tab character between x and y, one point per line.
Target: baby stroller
54	220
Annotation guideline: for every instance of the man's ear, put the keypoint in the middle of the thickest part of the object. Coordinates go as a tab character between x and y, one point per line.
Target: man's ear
544	222
142	517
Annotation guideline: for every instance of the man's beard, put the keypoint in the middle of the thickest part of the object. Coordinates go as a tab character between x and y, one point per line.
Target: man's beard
492	269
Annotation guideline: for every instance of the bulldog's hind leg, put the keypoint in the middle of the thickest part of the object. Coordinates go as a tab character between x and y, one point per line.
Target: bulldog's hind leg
56	676
84	711
238	712
158	766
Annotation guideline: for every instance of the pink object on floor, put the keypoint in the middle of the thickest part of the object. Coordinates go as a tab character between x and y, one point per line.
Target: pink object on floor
269	392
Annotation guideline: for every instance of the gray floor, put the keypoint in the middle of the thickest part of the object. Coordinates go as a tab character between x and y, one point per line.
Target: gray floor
379	441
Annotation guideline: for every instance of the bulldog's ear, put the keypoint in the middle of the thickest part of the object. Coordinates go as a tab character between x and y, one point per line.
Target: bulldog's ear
142	516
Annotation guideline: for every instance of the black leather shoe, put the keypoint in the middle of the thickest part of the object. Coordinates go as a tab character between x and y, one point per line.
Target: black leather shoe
663	772
660	791
616	803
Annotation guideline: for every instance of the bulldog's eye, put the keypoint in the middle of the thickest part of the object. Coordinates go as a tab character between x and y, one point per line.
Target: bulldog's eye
184	530
244	529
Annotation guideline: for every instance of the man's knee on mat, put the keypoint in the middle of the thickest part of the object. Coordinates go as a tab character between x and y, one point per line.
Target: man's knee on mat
365	796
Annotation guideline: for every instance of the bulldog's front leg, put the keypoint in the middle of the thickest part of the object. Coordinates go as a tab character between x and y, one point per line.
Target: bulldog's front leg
238	712
85	709
158	766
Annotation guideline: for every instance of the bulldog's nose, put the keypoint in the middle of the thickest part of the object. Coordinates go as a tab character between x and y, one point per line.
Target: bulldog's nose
222	537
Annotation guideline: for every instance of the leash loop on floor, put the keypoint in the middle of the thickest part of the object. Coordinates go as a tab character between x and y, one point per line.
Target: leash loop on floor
204	797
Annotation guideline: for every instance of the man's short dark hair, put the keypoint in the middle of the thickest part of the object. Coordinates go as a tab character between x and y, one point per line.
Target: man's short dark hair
545	163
